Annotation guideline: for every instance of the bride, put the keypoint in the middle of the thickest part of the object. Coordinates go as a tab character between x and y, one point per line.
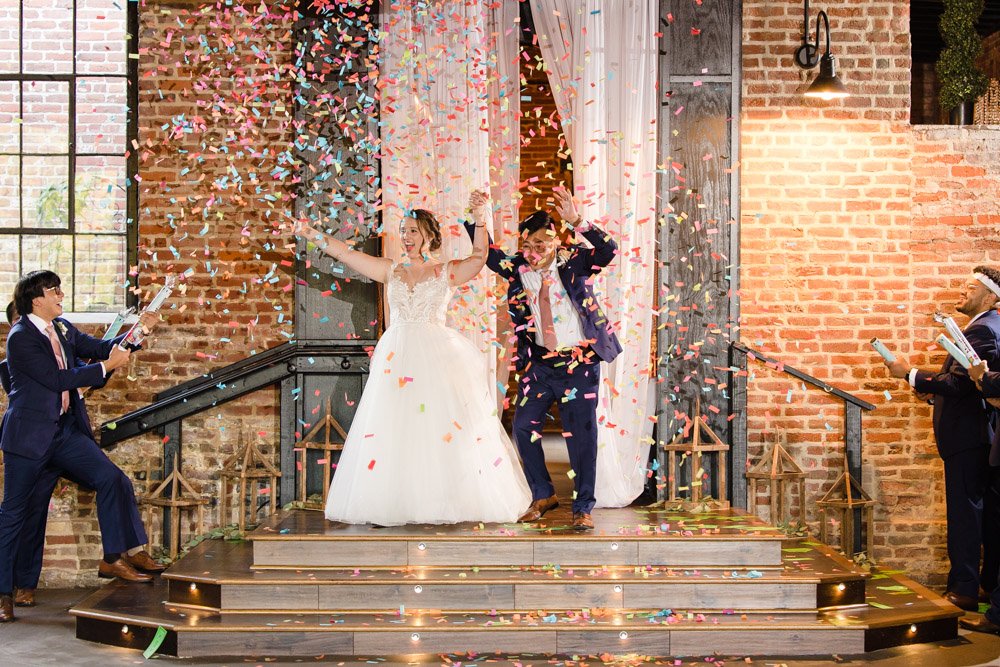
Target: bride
425	445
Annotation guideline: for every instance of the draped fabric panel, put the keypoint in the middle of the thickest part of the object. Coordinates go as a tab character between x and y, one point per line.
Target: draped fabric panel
449	126
601	58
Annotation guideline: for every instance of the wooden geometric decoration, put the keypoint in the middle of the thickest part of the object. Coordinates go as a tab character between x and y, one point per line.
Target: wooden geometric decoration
780	471
177	501
696	448
329	425
255	475
842	499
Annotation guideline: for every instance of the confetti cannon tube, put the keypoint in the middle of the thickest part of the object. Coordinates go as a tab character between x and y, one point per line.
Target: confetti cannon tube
953	350
135	336
883	350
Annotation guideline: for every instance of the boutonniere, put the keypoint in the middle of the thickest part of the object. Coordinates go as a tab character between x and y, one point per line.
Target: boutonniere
61	327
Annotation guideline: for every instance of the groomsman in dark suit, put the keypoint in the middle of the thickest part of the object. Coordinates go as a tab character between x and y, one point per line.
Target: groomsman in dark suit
562	335
46	431
963	435
989	382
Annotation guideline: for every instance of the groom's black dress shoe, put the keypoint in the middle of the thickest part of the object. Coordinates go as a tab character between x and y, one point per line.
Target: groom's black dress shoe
538	508
980	624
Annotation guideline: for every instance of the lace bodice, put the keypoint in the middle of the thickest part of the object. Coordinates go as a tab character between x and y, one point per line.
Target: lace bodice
427	301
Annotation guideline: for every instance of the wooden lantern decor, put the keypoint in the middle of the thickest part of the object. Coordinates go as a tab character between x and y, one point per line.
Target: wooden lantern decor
329	444
182	496
703	440
781	472
250	474
841	500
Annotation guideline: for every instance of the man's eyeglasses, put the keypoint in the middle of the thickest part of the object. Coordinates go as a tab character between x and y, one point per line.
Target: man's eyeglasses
57	289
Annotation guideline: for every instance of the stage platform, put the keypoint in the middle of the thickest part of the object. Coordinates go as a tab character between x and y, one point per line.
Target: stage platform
646	581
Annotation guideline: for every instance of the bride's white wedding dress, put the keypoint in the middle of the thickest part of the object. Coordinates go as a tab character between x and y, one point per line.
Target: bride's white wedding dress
426	445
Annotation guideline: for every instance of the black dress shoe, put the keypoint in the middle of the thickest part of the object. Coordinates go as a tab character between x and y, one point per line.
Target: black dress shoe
6	608
980	624
966	602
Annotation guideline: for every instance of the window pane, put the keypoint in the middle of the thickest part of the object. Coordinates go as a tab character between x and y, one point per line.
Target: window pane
100	195
48	36
46	117
10	113
43	188
100	37
101	115
53	252
9	205
100	273
9	36
8	267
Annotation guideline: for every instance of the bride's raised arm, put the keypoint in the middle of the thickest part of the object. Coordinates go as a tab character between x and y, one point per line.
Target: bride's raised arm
375	268
464	270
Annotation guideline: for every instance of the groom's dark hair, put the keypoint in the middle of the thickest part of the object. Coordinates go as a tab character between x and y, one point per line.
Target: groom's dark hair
535	221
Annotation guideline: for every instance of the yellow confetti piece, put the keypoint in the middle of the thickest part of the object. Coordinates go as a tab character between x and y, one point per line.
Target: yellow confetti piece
571	474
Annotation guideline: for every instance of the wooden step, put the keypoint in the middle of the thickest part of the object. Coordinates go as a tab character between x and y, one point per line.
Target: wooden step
128	615
219	575
623	537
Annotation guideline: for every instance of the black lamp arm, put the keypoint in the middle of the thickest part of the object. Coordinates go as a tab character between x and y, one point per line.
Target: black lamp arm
807	55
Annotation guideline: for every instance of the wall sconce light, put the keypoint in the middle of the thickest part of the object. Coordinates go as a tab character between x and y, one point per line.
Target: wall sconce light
826	85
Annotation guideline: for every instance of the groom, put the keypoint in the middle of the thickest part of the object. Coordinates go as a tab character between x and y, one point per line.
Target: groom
562	335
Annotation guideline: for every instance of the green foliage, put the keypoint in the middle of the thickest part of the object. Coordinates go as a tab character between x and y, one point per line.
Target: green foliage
961	80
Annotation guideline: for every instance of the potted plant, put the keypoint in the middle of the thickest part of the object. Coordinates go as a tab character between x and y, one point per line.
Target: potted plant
961	81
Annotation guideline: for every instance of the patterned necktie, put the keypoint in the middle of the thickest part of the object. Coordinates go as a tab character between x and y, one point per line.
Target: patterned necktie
57	350
545	311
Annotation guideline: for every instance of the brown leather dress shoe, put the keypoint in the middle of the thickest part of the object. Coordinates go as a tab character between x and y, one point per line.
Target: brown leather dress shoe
582	521
24	597
538	508
6	608
122	570
143	561
980	624
966	602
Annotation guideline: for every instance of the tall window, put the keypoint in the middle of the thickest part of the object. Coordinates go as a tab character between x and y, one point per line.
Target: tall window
68	94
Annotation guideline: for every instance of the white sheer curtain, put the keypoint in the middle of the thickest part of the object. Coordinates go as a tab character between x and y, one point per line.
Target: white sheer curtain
601	56
440	110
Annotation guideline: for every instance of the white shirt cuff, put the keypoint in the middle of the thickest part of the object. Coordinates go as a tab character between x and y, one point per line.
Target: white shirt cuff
912	377
104	371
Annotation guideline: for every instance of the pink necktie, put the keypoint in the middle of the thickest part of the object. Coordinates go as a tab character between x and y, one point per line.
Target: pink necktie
57	350
545	310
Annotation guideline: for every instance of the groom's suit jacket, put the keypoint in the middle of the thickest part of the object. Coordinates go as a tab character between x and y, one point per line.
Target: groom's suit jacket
32	417
576	266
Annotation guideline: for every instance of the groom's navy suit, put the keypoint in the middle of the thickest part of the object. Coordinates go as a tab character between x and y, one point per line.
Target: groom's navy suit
964	435
572	379
39	444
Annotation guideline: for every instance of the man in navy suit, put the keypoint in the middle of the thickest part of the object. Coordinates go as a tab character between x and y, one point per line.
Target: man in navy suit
963	435
989	382
562	335
31	540
46	431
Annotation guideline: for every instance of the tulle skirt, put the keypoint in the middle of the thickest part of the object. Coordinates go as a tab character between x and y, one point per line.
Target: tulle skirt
426	445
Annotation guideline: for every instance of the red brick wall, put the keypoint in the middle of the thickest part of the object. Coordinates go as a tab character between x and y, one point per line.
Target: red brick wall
543	147
989	62
855	224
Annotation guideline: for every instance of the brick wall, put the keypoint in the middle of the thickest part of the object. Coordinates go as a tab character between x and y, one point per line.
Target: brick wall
855	224
989	62
543	147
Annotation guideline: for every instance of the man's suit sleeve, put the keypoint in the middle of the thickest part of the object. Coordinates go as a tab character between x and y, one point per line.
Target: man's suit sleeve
497	260
32	357
88	347
991	384
956	381
5	376
603	252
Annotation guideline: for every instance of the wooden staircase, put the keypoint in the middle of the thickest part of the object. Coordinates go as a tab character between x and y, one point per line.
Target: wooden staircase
653	582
